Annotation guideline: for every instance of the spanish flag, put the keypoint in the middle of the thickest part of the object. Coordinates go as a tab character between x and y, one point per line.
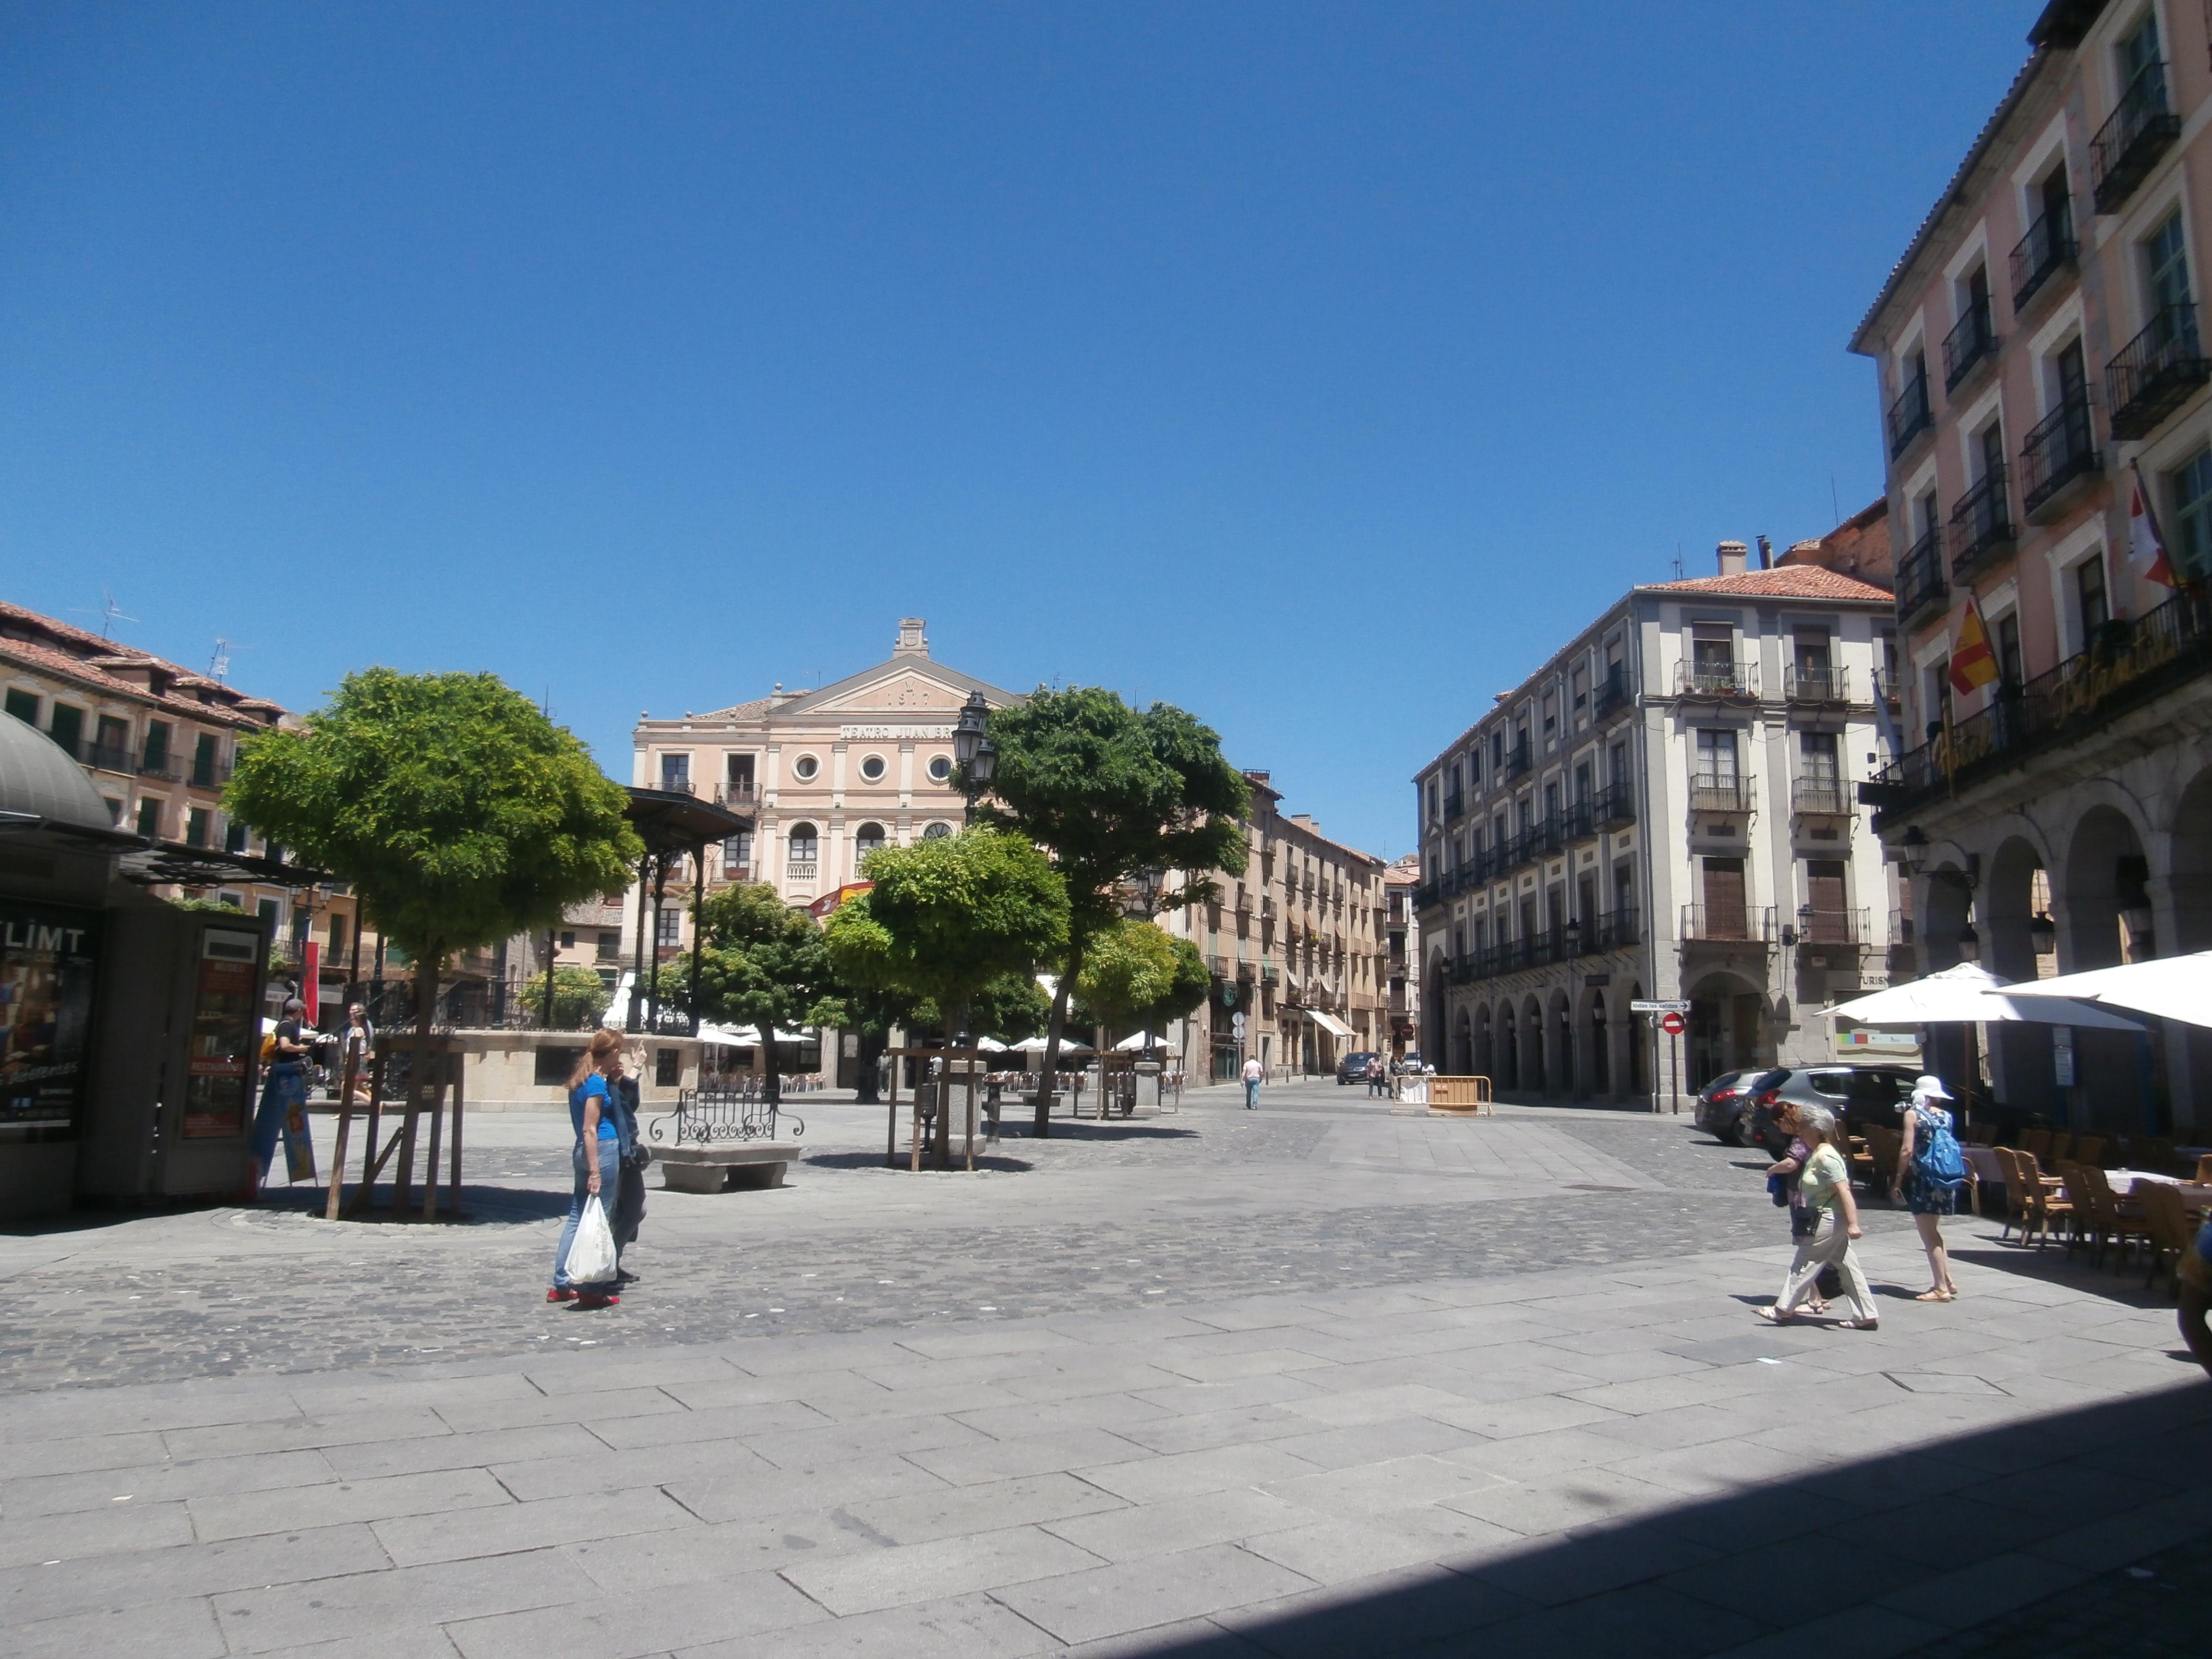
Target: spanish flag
2146	547
1974	664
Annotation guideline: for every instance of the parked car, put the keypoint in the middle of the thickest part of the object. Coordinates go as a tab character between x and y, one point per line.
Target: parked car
1874	1094
1353	1068
1721	1111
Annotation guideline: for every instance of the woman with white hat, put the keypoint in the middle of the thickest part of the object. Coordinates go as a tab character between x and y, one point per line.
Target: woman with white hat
1930	1170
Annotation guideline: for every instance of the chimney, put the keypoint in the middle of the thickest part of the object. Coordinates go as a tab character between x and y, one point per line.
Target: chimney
1733	555
1765	554
910	641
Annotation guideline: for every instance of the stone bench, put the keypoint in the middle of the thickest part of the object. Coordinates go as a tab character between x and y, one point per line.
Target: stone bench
741	1166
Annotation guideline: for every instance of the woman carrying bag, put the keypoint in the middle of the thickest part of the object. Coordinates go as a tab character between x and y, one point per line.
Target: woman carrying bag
1827	1186
1930	1170
597	1156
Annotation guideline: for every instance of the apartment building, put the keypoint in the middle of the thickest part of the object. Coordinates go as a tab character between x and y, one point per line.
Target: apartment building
1663	811
158	741
830	775
2049	444
1400	883
1297	945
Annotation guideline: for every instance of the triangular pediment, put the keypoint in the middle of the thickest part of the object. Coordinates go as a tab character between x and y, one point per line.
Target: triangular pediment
904	690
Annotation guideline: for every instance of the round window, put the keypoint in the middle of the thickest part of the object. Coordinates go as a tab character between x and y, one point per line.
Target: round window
936	832
871	768
940	767
804	767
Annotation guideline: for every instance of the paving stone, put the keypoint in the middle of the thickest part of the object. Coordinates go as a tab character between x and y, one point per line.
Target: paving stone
160	1482
1162	1589
413	1541
135	1577
182	1629
333	1502
978	1461
1177	1474
955	1627
278	1618
1578	1498
119	1528
954	1510
759	1607
867	1582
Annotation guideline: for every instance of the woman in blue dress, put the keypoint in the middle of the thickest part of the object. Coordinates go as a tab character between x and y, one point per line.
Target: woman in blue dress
596	1156
1929	1199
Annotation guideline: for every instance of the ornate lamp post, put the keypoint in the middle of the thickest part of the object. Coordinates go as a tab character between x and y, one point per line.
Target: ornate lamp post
977	756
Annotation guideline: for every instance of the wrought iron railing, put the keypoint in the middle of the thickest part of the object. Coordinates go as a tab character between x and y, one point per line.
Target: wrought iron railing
2060	447
1615	929
1971	342
1909	416
2140	130
2047	249
213	775
1715	677
2156	373
2128	665
1613	693
1920	576
1520	761
1721	792
1818	927
1727	924
109	757
1614	807
1805	684
1820	798
1455	806
1981	524
706	1116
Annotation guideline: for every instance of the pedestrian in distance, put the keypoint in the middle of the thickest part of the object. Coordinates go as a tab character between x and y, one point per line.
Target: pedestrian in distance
284	1084
596	1157
1253	1073
1378	1082
630	1199
358	1046
1930	1170
1826	1185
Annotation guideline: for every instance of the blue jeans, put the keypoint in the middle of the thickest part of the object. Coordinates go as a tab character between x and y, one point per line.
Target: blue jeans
284	1086
610	1156
1252	1092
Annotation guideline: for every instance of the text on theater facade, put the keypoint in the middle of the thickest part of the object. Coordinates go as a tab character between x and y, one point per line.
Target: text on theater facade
894	733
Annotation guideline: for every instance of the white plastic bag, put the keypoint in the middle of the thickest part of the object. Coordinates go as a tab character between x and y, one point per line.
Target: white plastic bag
591	1252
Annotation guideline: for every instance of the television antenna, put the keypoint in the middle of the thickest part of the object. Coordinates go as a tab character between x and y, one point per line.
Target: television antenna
219	664
109	613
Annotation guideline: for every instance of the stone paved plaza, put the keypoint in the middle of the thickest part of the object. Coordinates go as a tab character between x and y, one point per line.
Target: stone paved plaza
1316	1380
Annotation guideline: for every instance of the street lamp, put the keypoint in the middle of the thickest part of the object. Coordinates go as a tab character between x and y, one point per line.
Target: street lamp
1574	932
978	756
2045	933
1970	944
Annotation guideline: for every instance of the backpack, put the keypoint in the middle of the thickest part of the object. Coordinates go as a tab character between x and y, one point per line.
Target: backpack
1935	1151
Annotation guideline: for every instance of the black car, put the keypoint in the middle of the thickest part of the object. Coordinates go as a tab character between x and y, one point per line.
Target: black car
1723	1108
1353	1068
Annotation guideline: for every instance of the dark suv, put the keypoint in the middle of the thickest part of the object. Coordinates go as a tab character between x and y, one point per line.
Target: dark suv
1353	1068
1869	1093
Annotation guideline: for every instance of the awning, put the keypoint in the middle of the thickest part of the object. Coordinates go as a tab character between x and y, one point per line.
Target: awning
1329	1022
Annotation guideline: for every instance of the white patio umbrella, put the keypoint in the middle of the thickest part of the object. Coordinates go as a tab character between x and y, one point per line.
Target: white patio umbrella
990	1045
1036	1046
1142	1039
2173	988
1970	992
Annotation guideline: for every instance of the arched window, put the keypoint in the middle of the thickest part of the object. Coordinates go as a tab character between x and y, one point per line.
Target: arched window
936	832
865	839
805	846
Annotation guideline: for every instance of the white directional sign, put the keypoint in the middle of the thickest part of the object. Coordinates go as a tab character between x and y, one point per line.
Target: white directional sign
1658	1008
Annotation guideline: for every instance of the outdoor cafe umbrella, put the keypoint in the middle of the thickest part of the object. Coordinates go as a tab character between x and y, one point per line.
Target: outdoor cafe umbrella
2173	988
1142	1039
1971	994
1036	1046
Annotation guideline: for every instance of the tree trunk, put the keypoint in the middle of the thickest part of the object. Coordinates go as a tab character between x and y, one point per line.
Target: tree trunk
772	1089
418	1069
870	1049
1055	1030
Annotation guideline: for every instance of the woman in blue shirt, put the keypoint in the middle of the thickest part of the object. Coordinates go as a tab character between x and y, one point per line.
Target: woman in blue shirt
597	1156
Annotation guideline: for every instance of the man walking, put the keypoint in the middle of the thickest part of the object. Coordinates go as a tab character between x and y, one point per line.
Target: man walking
1253	1073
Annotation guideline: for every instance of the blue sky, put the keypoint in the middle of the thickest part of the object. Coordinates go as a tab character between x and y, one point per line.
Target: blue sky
1317	368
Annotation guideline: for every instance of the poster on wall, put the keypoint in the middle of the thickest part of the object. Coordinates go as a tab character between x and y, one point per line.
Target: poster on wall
224	1031
49	965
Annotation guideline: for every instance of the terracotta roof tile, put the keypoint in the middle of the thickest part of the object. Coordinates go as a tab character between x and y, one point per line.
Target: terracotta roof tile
1792	581
74	654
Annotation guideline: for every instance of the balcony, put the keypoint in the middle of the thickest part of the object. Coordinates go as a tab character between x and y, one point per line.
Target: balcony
1727	925
1981	525
2156	373
1721	792
1715	677
2047	249
1614	807
213	775
1920	582
2132	664
1612	694
1520	761
109	757
1811	682
1830	928
1820	798
2060	453
799	870
1426	896
1455	807
2128	146
1886	686
737	797
1616	930
1971	344
1910	417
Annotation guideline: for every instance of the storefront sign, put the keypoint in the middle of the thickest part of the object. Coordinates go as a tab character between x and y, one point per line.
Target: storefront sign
49	965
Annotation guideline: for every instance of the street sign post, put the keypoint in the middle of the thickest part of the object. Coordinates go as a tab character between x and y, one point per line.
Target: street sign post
1650	1007
1671	1024
1671	1010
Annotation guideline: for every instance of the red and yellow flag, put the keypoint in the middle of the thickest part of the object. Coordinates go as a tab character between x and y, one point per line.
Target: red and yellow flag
1974	664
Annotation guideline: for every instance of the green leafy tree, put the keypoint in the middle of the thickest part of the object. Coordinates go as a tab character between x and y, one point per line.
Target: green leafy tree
1109	792
580	997
459	812
1139	975
762	964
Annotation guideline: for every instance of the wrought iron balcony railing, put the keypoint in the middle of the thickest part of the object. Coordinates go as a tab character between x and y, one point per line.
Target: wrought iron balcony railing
1815	928
2060	448
1920	576
1721	792
1810	682
1909	416
1616	929
2128	664
1715	677
1885	685
1727	924
2047	249
1613	693
1981	524
2138	131
1820	798
2156	373
213	775
1614	807
1520	761
109	757
1971	343
1455	807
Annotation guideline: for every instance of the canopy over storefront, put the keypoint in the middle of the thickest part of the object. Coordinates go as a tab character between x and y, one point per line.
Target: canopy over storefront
1330	1023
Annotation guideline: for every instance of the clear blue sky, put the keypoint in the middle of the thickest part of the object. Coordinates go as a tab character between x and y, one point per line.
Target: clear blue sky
1317	368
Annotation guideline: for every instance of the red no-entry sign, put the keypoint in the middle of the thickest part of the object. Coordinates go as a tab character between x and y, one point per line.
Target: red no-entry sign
1671	1024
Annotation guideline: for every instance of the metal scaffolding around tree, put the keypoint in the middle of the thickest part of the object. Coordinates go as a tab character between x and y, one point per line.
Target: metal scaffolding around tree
931	1101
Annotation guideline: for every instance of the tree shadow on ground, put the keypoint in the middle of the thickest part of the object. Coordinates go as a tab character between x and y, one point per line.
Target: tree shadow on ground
875	1161
1091	1130
1911	1552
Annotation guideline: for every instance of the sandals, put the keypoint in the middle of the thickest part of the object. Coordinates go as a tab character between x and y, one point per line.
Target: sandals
1859	1325
1773	1316
1937	1295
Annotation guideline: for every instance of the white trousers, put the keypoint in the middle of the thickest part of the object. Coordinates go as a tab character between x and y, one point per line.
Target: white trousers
1830	1247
